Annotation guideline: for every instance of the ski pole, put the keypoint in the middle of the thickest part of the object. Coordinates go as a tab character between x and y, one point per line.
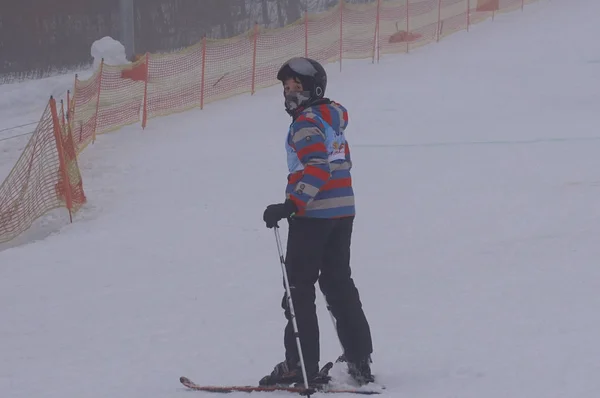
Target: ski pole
290	304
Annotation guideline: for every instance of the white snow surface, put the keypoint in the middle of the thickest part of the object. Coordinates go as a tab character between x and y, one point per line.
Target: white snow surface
475	249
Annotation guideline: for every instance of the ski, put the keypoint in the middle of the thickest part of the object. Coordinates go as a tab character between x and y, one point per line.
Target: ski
299	390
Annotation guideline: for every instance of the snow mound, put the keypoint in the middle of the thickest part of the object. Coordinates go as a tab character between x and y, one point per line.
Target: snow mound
110	49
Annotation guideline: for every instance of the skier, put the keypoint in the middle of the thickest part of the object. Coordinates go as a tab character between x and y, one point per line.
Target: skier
319	207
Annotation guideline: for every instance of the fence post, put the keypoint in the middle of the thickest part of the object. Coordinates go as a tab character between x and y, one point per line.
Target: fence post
127	27
68	104
407	27
98	101
439	26
72	113
254	58
341	32
203	69
376	35
72	118
468	14
306	32
61	157
145	111
62	112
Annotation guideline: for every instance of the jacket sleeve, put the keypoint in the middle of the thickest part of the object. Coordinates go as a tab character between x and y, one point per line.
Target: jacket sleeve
308	139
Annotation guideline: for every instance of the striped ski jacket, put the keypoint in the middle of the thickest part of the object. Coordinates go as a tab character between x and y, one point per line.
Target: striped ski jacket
319	180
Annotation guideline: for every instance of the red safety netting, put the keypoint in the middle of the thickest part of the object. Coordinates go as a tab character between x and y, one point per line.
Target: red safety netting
71	193
228	67
84	108
45	177
393	27
211	70
273	47
174	81
359	30
424	21
323	35
121	96
511	5
483	9
454	16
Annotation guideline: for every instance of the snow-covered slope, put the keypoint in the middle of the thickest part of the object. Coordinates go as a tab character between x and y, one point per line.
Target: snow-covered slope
475	249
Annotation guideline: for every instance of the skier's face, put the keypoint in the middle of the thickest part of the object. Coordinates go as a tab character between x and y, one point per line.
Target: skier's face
294	94
292	85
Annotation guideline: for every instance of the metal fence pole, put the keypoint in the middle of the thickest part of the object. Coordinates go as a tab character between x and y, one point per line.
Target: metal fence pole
127	27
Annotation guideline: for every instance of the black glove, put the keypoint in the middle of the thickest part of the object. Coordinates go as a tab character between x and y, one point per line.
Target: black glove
278	211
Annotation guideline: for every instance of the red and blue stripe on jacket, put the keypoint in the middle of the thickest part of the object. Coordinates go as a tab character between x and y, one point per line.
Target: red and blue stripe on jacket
319	163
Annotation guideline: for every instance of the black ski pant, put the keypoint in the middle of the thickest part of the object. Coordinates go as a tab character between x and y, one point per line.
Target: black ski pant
319	250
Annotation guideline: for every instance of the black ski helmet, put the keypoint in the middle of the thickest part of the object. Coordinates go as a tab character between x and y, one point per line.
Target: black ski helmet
309	72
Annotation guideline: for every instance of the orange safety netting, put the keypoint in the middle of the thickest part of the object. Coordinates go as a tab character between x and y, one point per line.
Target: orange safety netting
174	81
121	96
321	37
273	48
483	9
454	16
83	110
211	70
45	177
161	84
359	30
71	192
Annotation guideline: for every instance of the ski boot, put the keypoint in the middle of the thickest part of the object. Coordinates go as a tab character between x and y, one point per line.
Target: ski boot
360	370
283	374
